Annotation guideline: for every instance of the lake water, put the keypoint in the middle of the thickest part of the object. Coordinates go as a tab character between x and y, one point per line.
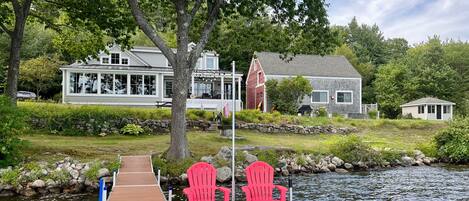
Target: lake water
412	183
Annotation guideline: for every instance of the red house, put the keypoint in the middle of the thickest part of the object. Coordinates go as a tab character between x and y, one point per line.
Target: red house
336	84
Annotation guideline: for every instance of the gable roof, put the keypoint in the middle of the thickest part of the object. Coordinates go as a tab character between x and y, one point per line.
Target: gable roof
428	101
307	65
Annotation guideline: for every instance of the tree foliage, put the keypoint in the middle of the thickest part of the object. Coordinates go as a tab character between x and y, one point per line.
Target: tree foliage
11	122
40	74
286	94
453	142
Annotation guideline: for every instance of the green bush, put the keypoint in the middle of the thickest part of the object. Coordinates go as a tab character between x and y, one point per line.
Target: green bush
132	129
287	94
352	149
60	176
10	177
172	168
11	123
373	114
429	149
321	112
269	157
452	143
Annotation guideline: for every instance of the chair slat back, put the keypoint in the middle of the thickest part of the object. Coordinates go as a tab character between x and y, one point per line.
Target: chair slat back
260	177
202	180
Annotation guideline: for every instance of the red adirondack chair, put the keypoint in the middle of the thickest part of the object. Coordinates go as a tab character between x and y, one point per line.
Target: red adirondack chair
202	183
260	176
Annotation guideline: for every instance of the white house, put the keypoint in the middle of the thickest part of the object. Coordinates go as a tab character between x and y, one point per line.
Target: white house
429	108
143	76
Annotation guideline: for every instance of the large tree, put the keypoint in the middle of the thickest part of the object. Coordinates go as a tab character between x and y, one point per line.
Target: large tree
195	20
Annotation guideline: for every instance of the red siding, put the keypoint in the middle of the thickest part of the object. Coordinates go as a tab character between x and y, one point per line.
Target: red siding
255	86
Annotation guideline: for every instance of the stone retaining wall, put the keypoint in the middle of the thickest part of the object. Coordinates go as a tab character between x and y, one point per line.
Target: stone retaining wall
163	126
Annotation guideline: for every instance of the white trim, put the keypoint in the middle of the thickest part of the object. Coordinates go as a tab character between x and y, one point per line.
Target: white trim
101	60
361	96
327	91
312	77
412	105
344	91
128	61
265	99
249	71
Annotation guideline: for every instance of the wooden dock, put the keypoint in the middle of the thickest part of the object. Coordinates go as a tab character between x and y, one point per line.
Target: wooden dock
136	181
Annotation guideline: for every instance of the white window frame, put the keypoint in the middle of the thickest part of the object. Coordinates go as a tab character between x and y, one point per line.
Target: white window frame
327	97
113	73
108	59
215	62
343	91
128	61
258	78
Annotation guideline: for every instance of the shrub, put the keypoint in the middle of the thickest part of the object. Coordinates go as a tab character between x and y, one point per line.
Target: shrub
287	94
60	176
429	149
172	168
269	157
10	177
11	123
352	149
321	112
373	114
452	143
92	173
132	129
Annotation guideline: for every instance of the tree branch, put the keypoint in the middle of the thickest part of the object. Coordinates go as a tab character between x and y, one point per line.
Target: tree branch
5	29
195	9
16	6
208	27
48	22
150	32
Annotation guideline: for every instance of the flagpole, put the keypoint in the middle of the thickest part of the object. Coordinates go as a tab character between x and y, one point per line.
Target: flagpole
233	152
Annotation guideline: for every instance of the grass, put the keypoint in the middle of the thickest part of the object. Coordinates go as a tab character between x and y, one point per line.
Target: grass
404	135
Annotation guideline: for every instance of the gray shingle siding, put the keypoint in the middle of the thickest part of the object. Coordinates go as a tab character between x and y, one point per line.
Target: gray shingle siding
332	85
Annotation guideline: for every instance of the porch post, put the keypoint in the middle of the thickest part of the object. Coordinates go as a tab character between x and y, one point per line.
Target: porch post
239	88
222	91
192	87
426	111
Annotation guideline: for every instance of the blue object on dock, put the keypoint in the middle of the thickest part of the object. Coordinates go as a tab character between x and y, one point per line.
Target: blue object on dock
102	190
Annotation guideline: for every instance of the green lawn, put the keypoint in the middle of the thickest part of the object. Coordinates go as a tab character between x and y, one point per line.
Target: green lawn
403	135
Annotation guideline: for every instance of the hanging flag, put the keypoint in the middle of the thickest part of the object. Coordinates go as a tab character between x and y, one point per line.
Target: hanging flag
226	110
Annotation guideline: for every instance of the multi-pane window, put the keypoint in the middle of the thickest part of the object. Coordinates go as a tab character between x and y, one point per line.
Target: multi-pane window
421	109
446	109
431	109
319	97
149	85
76	83
136	84
115	58
120	83
203	90
91	83
210	63
105	60
125	61
344	97
107	84
168	87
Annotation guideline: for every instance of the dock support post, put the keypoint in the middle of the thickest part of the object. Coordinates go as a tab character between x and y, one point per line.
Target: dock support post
159	177
290	188
102	190
170	193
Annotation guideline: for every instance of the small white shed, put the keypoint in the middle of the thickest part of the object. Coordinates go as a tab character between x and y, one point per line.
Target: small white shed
429	108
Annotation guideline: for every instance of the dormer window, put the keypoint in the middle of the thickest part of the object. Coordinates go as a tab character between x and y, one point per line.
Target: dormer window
115	58
211	63
105	60
125	61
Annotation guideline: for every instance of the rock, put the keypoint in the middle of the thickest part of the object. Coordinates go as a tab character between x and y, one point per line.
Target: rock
183	177
331	167
102	134
51	183
103	172
418	155
348	166
38	184
224	153
337	161
420	163
324	169
427	161
250	158
340	170
407	161
223	174
362	165
74	173
207	159
28	192
240	175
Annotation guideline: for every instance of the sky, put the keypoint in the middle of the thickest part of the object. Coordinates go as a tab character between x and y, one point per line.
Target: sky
414	20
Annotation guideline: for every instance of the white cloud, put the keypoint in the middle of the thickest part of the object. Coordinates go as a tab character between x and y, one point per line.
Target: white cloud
413	20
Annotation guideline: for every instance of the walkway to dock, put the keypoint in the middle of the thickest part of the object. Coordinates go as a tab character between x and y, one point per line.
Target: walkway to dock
136	181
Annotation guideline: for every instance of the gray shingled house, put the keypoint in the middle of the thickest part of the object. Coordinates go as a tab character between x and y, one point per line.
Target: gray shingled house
336	83
429	108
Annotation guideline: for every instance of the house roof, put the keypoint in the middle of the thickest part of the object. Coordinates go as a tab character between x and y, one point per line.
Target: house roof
307	65
428	101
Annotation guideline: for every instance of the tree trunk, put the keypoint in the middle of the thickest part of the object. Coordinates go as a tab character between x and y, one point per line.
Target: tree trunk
179	147
16	36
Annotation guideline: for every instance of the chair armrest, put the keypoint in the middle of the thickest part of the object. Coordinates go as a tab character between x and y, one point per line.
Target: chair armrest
226	193
189	193
283	192
247	191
